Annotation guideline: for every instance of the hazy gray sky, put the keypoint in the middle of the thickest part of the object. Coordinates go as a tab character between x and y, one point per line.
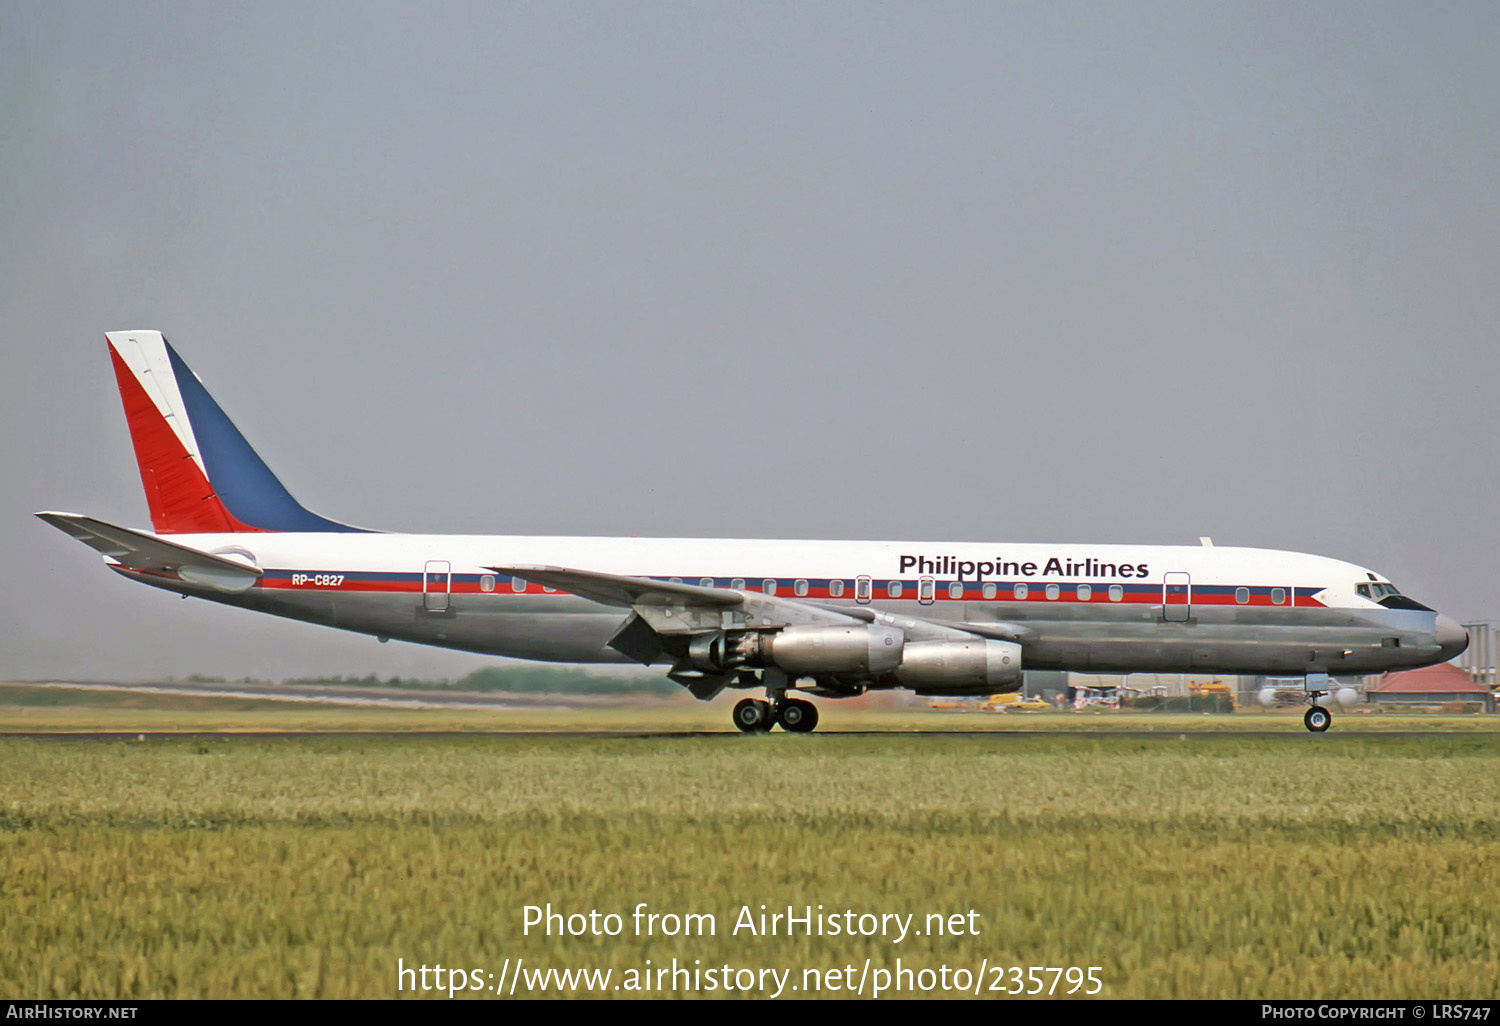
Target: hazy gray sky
990	272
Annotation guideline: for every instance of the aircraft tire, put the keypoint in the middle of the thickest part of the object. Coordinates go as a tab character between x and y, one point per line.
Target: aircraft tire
797	716
752	715
1317	719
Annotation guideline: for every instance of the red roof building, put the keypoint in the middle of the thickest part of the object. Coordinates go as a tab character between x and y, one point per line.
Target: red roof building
1432	685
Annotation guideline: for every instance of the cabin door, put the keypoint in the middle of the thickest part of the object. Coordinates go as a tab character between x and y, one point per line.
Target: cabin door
1176	597
436	578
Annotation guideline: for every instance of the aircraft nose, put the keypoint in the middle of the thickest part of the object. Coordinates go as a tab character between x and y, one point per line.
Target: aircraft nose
1451	638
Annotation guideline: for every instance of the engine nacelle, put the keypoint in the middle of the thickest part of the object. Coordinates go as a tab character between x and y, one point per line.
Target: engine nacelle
961	667
857	649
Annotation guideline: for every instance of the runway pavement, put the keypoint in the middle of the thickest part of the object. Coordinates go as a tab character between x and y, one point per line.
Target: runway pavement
933	735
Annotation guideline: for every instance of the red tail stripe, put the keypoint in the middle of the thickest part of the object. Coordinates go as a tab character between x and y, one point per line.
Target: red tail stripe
178	494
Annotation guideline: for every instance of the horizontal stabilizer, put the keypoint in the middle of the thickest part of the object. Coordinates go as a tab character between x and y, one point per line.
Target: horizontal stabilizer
147	553
617	590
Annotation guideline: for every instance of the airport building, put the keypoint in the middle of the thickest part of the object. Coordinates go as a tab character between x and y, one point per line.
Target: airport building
1432	686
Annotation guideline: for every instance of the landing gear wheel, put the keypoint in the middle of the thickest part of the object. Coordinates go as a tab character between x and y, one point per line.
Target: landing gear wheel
797	716
1317	719
752	715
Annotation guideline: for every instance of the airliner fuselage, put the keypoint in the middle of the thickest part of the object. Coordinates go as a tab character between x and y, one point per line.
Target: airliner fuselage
829	618
1205	609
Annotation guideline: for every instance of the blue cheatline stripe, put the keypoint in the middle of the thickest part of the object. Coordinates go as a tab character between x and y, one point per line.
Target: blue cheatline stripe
240	478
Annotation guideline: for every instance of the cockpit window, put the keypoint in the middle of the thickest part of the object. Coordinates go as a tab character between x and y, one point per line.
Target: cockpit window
1388	595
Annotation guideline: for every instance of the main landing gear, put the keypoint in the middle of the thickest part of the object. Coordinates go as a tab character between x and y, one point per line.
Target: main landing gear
1317	719
756	716
753	715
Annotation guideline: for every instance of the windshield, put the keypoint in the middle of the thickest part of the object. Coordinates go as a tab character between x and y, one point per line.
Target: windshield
1387	595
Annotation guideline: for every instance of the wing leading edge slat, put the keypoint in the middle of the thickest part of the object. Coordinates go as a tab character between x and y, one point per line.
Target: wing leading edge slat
618	590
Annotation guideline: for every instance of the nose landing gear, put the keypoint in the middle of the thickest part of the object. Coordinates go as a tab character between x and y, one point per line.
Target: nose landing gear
1317	719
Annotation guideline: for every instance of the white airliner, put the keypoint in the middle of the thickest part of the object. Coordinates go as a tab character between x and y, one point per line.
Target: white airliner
826	618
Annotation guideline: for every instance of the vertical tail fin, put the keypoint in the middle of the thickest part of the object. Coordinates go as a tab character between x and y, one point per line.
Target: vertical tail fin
200	475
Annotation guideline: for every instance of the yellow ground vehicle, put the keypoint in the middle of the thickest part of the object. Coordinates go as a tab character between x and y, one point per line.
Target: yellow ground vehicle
1214	687
991	703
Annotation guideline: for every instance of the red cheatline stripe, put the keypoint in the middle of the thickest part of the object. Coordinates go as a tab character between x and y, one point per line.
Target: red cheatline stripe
276	581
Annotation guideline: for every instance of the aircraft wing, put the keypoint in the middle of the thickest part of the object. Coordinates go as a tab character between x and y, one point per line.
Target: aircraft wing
999	630
672	608
617	590
687	623
149	553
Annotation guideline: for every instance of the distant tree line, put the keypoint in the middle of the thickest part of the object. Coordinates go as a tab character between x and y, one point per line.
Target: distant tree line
513	679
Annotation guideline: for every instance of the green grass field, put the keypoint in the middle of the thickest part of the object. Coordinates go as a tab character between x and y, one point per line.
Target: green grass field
1355	864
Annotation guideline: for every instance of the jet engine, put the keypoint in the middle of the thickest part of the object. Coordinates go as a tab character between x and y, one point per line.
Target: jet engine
863	650
866	651
858	650
978	667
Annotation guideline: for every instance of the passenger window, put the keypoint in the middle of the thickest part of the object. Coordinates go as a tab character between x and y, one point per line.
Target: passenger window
1021	591
487	582
517	585
707	582
1242	595
738	584
1116	592
862	589
956	590
768	586
675	580
893	589
1278	596
988	591
1085	592
800	588
836	588
1053	591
